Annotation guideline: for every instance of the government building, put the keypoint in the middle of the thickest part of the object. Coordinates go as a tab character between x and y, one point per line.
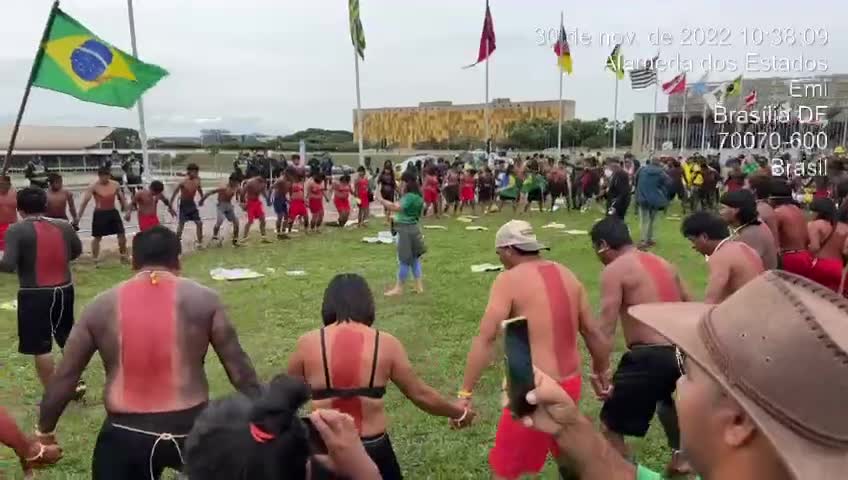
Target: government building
780	93
446	123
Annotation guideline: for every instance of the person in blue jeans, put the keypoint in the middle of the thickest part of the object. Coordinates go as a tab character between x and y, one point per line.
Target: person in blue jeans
652	184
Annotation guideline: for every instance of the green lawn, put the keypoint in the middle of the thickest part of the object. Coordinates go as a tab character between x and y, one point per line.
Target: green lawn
271	313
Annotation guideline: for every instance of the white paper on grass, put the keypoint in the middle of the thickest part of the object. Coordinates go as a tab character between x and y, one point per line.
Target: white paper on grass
486	267
295	273
558	226
372	240
11	305
464	219
231	274
435	227
576	232
477	228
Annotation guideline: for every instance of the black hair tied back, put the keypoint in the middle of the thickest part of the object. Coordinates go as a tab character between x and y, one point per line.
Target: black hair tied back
276	409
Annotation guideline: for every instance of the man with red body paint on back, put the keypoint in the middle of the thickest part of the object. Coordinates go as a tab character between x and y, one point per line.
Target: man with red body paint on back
792	230
152	333
556	306
646	377
8	208
40	250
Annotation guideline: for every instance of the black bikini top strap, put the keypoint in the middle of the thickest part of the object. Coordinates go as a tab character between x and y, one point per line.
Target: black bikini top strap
374	364
324	359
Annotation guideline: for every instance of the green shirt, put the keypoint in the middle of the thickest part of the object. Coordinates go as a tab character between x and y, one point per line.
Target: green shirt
643	473
411	205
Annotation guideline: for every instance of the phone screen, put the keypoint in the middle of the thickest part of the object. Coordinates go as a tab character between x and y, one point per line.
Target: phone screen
316	443
519	366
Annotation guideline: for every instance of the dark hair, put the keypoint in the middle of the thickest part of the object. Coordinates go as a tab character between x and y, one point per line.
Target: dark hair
780	192
221	444
613	231
192	166
745	202
6	178
318	177
32	201
761	185
345	178
157	186
53	177
360	170
104	171
411	181
387	164
157	246
704	223
235	178
825	208
348	298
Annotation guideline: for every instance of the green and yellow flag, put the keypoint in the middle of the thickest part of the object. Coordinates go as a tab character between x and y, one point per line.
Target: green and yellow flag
735	87
357	34
615	62
75	62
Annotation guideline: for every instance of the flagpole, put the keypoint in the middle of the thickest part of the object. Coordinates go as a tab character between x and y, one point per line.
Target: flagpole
704	126
142	132
559	72
844	130
486	109
38	56
683	122
615	116
358	107
654	135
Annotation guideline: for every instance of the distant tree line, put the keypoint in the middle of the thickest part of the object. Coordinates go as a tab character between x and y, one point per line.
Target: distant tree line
538	134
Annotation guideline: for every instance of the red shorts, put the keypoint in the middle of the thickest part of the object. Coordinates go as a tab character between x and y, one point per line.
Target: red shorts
316	205
799	262
255	210
3	228
827	271
520	450
467	194
342	205
821	193
297	208
146	222
363	201
431	196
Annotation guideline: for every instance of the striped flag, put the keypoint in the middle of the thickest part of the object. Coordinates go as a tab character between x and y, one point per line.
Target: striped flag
562	51
642	78
675	85
615	62
357	34
487	39
751	100
715	96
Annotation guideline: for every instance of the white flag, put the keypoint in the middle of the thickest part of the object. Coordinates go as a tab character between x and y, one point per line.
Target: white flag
716	96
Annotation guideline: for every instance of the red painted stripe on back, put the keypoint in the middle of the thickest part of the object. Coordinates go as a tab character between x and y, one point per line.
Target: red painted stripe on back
661	276
346	371
562	321
51	255
147	318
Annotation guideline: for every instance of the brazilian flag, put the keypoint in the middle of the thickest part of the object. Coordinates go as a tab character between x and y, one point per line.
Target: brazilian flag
74	61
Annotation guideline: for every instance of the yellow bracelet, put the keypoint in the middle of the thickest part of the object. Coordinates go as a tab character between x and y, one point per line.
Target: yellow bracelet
464	394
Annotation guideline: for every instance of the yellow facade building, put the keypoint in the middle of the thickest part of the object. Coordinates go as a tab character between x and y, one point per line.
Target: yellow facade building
403	127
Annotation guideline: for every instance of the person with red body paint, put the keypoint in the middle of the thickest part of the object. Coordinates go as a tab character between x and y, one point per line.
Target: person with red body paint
348	363
106	220
41	250
792	230
8	208
146	200
556	306
317	196
646	377
152	333
732	263
60	201
297	201
827	243
32	453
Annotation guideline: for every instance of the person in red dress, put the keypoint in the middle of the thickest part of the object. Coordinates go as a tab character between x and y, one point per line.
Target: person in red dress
341	198
467	191
315	187
297	202
362	194
431	191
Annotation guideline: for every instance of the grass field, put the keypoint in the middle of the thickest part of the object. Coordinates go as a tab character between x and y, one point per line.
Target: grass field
271	313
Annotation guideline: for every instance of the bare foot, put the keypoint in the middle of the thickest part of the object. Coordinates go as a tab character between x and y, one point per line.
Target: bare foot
394	292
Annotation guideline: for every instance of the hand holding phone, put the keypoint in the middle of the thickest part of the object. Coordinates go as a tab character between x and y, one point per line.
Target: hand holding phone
519	366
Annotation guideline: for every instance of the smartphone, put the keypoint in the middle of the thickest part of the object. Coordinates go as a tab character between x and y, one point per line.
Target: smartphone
316	443
519	365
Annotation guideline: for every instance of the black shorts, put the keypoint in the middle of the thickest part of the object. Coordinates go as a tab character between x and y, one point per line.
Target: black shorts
44	314
646	375
535	195
120	453
106	223
189	211
379	448
452	194
557	189
485	195
134	181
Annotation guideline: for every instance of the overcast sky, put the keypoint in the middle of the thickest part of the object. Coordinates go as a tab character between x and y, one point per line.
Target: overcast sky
276	66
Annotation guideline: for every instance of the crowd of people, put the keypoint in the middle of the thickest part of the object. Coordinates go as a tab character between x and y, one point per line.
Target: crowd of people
727	378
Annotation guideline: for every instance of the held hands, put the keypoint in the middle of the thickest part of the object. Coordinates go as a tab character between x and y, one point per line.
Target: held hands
42	451
467	417
602	384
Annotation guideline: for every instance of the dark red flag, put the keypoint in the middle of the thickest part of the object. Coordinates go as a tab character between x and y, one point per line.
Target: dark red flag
487	39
